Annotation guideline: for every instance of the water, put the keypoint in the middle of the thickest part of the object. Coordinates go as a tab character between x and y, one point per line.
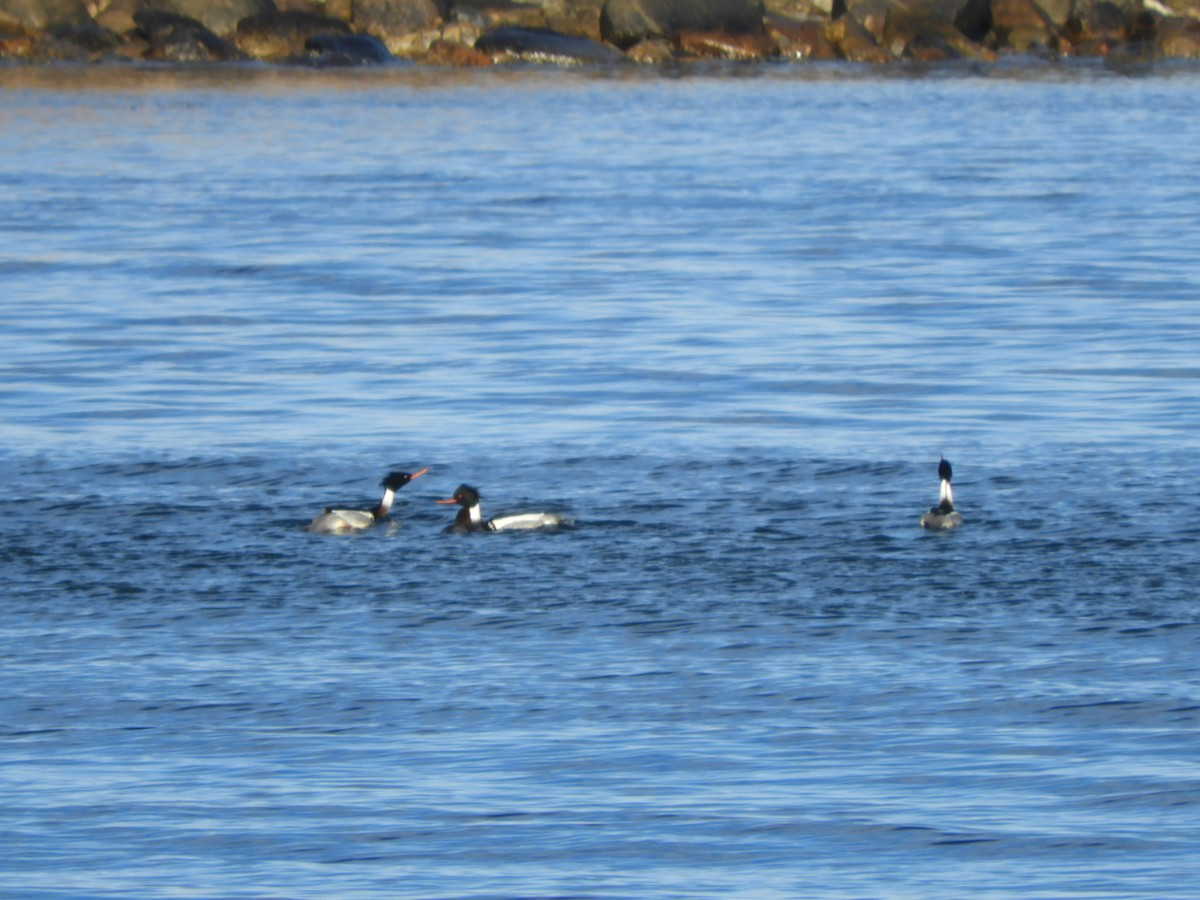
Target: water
729	323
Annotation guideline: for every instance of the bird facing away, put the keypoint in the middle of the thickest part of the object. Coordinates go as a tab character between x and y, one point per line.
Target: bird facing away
944	515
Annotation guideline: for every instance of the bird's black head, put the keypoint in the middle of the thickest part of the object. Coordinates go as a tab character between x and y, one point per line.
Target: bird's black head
396	480
464	495
944	470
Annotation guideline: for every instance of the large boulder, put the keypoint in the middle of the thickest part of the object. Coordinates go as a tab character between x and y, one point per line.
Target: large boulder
173	38
626	22
391	18
1022	25
805	38
543	45
1096	25
854	42
1178	38
971	17
276	35
346	50
41	14
719	45
218	16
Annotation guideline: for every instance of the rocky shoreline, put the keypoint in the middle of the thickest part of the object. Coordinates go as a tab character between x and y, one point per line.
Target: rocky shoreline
479	33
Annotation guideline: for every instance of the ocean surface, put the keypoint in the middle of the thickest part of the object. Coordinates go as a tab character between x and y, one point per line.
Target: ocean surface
728	322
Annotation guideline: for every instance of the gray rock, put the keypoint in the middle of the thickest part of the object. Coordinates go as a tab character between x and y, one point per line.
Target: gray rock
626	22
543	45
41	14
385	18
346	50
174	38
274	35
219	16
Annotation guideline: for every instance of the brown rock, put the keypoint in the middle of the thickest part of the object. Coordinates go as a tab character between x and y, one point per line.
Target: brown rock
276	35
719	45
385	18
854	42
447	53
801	38
581	17
118	16
625	22
654	52
1178	38
42	14
1097	22
1025	16
495	13
871	14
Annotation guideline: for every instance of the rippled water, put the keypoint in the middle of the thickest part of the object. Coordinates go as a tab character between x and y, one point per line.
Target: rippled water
728	323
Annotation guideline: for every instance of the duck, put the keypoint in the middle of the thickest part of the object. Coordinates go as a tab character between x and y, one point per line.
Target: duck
944	515
470	517
342	521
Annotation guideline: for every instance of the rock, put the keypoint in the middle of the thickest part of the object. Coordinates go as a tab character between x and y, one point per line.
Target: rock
118	16
452	53
625	22
935	30
174	38
801	38
800	9
1178	38
854	42
90	38
1096	25
719	45
387	18
652	52
42	14
346	50
276	35
1023	18
495	13
218	16
580	17
1057	11
543	45
972	18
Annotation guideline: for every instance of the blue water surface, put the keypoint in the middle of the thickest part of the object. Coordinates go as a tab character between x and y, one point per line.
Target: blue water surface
728	322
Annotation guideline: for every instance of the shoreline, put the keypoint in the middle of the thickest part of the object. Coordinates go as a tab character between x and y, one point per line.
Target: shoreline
258	76
662	37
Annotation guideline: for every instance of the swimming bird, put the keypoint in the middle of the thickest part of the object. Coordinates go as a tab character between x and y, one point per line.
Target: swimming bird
470	517
340	521
943	515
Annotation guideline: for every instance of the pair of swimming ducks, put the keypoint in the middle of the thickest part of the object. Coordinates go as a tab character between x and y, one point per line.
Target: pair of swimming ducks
470	516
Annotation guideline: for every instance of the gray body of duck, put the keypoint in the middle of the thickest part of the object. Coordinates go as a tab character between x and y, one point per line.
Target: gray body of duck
343	521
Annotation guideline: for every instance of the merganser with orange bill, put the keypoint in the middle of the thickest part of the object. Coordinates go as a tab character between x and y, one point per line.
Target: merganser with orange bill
341	521
943	516
470	517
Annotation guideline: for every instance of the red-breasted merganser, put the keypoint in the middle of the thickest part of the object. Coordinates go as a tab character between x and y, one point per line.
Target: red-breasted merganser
943	515
340	521
470	517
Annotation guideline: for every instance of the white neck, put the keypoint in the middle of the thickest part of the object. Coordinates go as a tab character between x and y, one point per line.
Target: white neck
386	503
476	514
946	493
